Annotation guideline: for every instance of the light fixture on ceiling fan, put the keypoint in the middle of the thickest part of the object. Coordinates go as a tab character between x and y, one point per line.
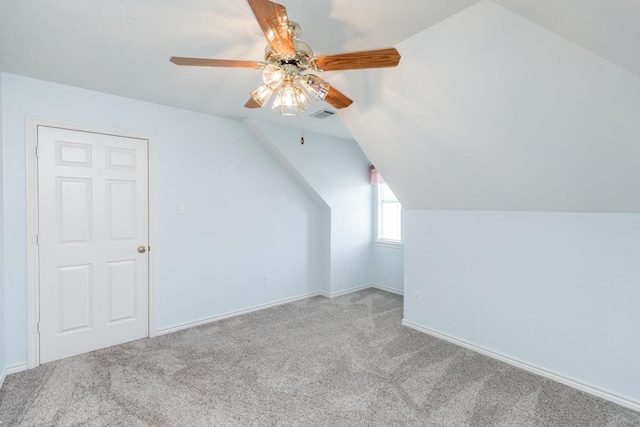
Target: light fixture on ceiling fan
287	58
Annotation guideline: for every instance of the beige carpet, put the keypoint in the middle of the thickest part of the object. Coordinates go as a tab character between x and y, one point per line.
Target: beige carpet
317	362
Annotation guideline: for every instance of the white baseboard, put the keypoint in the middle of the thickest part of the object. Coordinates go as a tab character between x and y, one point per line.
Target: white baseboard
23	367
387	289
273	304
17	368
233	314
12	370
361	288
587	388
345	292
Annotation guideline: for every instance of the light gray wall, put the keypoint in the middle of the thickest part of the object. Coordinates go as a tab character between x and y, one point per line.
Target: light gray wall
338	172
387	261
2	308
555	290
491	112
246	217
387	266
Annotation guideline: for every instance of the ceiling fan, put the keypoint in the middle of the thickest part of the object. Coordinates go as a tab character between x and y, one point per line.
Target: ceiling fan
286	60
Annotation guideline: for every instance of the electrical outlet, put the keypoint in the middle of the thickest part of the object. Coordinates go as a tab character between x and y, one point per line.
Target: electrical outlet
418	297
181	208
267	280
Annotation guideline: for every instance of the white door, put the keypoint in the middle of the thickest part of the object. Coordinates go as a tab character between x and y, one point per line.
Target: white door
93	227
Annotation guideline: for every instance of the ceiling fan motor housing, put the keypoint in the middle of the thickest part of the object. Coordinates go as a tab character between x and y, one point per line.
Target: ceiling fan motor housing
301	59
303	52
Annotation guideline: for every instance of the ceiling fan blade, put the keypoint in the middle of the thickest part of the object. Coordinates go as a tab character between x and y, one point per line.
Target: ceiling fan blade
337	98
357	60
274	22
251	103
204	62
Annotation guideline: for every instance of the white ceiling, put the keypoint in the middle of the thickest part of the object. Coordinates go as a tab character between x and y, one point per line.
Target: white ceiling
507	116
608	28
123	47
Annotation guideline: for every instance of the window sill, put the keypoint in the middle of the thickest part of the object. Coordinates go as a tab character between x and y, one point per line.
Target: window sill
388	244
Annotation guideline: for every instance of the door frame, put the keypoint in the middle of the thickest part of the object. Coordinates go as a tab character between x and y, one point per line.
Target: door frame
33	259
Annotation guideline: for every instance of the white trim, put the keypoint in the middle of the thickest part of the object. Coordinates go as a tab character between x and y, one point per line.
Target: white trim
200	322
587	388
16	368
387	289
345	292
11	370
82	127
33	297
361	288
6	371
389	244
157	332
152	277
204	321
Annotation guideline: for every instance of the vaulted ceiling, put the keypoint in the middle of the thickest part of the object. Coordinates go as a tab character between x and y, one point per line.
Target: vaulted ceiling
123	47
499	113
496	105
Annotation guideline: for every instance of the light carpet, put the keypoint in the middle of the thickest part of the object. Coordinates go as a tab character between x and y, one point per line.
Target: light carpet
317	362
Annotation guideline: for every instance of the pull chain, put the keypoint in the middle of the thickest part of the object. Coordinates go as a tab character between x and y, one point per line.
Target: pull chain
302	131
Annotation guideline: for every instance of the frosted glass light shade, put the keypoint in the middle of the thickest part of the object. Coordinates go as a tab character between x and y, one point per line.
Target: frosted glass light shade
303	100
272	76
262	94
286	103
316	87
290	100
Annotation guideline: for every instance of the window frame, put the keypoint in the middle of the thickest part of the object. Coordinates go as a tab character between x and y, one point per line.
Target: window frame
378	208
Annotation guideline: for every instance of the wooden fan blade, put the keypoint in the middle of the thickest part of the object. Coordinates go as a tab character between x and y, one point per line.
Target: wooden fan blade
357	60
251	103
274	23
204	62
337	98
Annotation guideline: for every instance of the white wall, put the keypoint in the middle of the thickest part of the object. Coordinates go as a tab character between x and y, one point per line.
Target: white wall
555	290
337	171
246	217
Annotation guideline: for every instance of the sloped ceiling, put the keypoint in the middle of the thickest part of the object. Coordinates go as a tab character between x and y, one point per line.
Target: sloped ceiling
610	29
499	105
123	47
490	111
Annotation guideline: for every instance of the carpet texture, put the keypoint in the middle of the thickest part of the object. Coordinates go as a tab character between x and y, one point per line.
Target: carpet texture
318	362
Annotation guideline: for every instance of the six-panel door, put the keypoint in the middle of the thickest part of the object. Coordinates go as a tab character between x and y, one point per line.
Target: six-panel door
93	216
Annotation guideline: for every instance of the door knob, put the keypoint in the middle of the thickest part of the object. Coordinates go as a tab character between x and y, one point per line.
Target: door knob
142	249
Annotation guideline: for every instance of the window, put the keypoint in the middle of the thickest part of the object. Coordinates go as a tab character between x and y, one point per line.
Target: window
389	216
